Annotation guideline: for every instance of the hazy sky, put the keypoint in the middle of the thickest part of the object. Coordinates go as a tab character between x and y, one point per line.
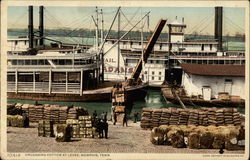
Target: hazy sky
199	19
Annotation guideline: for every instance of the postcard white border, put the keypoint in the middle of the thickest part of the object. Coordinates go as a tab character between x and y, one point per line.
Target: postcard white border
5	3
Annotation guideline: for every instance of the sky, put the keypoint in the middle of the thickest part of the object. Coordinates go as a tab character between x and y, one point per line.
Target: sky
197	19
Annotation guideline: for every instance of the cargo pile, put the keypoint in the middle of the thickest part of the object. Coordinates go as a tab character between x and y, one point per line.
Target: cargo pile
75	112
199	137
63	114
146	118
174	118
45	128
17	121
25	108
156	117
55	113
62	133
35	113
183	118
14	109
81	128
165	116
199	117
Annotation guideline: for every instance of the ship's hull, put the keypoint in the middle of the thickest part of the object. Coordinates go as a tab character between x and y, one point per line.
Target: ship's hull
101	95
201	102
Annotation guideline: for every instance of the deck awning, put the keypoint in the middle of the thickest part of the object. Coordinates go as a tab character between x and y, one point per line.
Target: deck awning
214	70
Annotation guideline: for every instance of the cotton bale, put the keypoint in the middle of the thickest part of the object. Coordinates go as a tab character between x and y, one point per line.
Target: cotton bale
176	138
63	133
158	136
206	140
219	139
193	140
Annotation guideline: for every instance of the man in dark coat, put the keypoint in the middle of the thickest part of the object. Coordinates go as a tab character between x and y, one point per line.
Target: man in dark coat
94	114
135	117
125	120
106	127
105	117
26	119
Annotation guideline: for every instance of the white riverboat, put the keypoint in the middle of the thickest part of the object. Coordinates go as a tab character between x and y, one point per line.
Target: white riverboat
120	64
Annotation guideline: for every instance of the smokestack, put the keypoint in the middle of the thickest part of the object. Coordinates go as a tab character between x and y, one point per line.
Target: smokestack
31	33
218	26
41	26
182	20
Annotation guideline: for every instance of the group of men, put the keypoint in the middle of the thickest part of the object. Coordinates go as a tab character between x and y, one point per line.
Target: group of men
101	124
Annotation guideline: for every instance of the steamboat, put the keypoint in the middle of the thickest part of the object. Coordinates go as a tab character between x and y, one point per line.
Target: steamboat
60	72
64	72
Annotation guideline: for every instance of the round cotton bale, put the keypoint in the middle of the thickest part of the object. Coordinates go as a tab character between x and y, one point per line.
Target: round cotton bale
165	128
231	138
19	105
176	137
206	140
219	139
9	120
193	140
211	128
157	136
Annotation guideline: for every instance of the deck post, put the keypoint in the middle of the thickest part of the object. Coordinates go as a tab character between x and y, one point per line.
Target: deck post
34	81
97	75
81	82
66	78
16	79
49	81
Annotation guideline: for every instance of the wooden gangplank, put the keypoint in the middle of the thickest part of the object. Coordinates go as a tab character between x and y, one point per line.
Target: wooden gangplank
148	49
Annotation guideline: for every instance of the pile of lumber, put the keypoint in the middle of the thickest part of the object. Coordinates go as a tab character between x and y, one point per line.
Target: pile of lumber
17	121
45	128
146	118
199	117
199	137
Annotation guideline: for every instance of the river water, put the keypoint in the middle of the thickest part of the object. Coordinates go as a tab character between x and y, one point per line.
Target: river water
153	99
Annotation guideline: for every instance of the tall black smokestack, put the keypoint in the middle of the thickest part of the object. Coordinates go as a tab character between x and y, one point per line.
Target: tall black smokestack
41	26
31	33
218	26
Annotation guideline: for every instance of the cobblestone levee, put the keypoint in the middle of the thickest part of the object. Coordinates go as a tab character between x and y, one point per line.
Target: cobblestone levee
131	139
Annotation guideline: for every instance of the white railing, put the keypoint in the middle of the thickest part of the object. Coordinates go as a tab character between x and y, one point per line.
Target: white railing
43	87
30	67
